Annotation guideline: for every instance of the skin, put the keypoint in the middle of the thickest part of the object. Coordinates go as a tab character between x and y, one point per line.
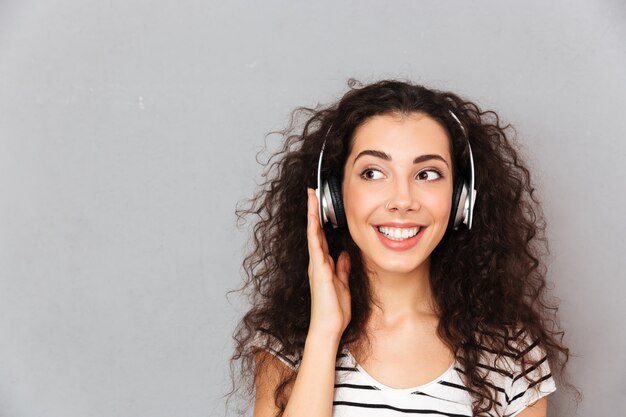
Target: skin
405	349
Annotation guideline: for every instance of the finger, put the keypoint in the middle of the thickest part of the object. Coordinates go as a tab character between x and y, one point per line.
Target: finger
343	268
320	229
313	228
323	241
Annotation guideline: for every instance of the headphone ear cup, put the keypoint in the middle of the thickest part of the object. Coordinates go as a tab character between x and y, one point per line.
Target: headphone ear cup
457	204
337	202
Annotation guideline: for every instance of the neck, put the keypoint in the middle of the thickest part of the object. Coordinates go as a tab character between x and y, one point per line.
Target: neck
401	298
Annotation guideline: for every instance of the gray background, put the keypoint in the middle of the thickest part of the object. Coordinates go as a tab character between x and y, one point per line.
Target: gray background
128	133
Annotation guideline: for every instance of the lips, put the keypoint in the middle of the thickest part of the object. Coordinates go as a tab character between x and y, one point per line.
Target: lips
397	233
399	236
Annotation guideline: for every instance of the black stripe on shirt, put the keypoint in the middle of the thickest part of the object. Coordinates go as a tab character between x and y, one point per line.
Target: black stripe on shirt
528	349
436	398
355	386
464	388
532	368
491	368
402	410
453	385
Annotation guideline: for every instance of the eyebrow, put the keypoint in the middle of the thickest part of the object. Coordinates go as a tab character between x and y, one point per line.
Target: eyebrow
386	157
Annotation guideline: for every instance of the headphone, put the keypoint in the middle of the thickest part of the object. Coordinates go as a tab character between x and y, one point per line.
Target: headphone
330	200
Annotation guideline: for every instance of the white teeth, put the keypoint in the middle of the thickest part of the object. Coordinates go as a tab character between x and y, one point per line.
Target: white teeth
396	233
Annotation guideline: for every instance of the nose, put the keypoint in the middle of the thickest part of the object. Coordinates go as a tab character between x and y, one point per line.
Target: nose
403	197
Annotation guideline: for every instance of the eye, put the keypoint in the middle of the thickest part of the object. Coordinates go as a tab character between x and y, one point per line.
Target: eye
429	175
371	174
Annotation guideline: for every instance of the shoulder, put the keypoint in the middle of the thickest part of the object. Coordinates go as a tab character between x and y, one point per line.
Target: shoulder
264	341
522	371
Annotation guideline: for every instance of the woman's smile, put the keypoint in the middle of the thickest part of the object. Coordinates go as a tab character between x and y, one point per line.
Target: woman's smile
399	238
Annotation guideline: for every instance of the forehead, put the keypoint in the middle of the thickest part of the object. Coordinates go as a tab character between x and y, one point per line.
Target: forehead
401	135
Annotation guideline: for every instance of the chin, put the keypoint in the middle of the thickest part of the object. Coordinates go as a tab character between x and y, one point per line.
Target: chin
398	267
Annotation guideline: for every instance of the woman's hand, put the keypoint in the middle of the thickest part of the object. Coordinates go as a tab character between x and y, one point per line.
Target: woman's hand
330	293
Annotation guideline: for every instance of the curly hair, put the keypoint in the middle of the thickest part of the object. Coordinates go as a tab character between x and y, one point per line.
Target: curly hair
488	283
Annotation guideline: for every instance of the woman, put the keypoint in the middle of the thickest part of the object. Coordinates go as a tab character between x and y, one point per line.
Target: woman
424	294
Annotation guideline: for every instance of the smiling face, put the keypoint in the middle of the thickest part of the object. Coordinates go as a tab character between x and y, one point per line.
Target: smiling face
397	190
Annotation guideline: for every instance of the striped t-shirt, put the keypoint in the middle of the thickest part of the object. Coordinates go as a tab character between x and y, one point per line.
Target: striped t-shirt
358	394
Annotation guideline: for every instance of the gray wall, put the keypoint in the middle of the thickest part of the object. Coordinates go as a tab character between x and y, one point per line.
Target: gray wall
128	132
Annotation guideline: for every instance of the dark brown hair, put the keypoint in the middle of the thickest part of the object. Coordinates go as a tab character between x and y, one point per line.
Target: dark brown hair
488	283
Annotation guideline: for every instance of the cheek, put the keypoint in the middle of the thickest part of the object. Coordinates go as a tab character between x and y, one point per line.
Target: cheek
353	200
359	203
438	203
